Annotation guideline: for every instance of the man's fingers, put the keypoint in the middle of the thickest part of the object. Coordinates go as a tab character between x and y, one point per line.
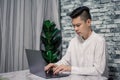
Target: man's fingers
54	69
48	66
51	65
61	68
58	70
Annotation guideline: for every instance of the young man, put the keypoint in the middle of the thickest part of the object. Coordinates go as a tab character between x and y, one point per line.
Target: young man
86	53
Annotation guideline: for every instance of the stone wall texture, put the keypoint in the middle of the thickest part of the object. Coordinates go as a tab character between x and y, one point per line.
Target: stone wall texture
106	22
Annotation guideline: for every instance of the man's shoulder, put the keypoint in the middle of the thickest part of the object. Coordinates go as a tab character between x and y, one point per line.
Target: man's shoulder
99	37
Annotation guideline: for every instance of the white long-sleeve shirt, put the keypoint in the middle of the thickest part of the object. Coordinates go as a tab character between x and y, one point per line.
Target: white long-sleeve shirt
86	57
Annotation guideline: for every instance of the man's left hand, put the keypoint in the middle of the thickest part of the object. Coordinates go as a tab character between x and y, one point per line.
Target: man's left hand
61	68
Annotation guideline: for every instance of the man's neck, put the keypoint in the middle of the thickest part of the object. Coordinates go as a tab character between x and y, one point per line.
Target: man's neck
88	35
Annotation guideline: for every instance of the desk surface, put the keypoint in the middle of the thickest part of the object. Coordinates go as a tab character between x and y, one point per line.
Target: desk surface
26	75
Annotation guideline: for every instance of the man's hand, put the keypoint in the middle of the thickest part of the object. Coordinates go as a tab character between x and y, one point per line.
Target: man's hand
50	66
61	68
56	68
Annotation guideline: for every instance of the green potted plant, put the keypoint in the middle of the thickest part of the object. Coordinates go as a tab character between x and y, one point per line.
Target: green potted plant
50	42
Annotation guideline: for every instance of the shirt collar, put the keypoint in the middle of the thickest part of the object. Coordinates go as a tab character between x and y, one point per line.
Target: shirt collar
82	40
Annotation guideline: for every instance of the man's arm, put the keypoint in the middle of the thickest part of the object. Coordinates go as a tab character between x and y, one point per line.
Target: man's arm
66	59
61	65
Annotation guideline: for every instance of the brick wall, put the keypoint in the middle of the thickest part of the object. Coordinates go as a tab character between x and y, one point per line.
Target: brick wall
106	22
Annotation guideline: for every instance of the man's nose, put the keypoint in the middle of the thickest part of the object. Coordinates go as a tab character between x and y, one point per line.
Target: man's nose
76	28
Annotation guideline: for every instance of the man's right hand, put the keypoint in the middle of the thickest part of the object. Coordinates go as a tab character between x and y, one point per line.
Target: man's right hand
50	66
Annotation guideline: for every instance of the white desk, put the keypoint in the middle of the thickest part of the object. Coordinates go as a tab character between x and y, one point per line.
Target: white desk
26	75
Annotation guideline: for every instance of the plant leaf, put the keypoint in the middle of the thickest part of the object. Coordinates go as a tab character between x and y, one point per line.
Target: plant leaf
44	40
57	41
55	32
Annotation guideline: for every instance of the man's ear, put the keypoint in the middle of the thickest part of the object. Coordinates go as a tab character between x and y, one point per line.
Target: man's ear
89	22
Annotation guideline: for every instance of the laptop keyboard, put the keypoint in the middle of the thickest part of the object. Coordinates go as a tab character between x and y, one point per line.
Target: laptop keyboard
61	74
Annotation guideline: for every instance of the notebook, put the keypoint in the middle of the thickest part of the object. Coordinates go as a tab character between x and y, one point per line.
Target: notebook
36	65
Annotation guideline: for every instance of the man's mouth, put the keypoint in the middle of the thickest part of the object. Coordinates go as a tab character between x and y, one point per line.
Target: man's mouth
78	32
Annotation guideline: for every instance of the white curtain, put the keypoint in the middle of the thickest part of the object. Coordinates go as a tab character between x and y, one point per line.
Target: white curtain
20	29
52	11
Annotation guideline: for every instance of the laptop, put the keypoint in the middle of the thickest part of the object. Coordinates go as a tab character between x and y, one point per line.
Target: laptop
37	63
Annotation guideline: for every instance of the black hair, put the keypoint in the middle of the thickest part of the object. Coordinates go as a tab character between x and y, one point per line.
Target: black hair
83	12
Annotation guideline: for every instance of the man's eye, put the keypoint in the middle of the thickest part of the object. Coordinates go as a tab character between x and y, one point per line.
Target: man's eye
77	25
73	25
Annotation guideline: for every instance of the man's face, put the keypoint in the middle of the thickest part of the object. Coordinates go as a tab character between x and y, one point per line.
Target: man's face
81	27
